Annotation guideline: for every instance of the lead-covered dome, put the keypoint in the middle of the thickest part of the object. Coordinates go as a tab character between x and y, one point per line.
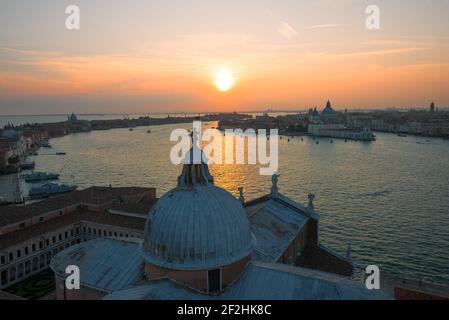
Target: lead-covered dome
196	225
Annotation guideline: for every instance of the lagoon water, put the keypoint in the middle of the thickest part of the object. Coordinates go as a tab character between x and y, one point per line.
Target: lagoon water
389	199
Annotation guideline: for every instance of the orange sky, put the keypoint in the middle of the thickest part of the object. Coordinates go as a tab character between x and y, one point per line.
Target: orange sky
287	64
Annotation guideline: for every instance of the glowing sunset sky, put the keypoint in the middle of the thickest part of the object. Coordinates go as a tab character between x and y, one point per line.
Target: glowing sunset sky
162	56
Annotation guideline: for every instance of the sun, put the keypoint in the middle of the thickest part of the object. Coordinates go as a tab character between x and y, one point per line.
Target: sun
224	80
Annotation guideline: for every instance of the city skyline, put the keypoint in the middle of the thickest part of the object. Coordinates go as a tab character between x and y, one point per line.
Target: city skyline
166	57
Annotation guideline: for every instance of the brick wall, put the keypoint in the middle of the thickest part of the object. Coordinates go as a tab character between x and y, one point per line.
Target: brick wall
197	279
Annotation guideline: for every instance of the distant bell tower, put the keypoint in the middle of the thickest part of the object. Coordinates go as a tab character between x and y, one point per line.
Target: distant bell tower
432	107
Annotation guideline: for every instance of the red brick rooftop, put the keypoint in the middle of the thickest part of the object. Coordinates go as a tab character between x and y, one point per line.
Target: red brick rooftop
92	195
100	217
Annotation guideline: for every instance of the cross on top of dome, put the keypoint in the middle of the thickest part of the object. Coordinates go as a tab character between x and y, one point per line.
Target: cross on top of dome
195	169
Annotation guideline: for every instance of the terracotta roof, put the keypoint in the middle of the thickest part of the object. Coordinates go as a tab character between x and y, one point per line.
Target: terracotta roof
140	203
37	230
115	220
411	294
40	229
93	195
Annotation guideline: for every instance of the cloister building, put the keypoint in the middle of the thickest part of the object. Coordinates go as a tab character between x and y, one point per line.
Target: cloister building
31	235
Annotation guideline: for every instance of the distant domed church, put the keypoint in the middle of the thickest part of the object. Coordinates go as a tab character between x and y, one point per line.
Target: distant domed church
329	123
72	117
200	242
328	110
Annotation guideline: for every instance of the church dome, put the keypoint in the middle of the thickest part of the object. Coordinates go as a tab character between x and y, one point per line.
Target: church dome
196	225
328	110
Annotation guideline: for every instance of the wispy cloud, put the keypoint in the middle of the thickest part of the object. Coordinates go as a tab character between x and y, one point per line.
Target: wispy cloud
26	52
284	28
378	52
325	26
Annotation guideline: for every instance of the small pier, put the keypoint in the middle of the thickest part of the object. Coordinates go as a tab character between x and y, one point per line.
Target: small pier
10	188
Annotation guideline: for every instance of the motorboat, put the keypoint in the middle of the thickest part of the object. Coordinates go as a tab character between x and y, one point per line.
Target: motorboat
40	176
50	189
27	165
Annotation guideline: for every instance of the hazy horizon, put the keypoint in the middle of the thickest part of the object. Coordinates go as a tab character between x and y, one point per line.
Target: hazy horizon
424	108
163	56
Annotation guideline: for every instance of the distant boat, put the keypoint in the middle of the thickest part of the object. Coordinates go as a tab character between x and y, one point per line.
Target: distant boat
317	142
131	129
148	131
403	135
40	176
49	189
27	165
61	153
332	141
45	144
